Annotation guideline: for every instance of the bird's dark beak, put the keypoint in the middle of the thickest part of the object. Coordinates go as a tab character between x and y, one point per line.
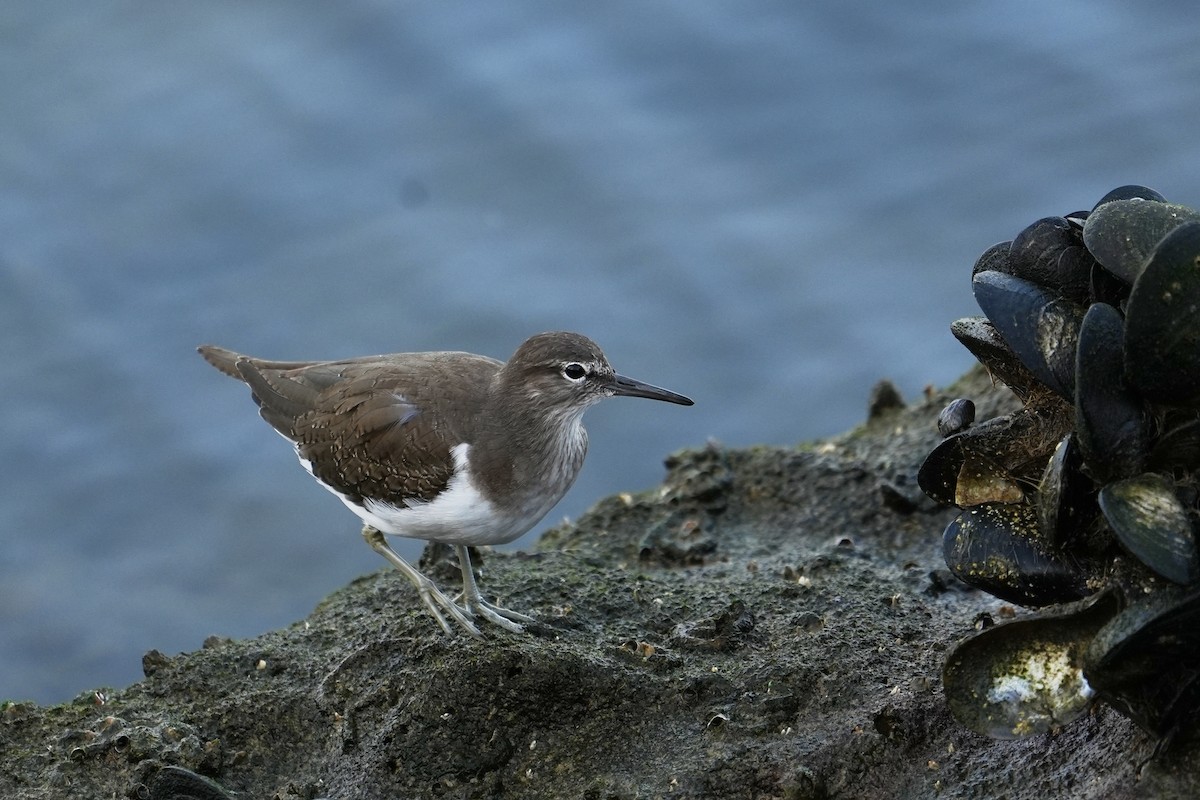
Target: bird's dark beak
628	387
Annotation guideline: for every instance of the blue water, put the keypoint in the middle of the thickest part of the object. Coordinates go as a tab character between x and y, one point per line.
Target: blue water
767	206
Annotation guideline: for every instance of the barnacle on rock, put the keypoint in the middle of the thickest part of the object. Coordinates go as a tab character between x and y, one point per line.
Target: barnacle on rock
1092	488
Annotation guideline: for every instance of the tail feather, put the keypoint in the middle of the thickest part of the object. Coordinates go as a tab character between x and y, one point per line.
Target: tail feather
222	359
281	400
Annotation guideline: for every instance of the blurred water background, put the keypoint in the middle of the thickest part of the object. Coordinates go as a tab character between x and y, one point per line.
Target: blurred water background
765	205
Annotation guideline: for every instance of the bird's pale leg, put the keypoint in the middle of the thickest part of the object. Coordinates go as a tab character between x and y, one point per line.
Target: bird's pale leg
430	593
474	602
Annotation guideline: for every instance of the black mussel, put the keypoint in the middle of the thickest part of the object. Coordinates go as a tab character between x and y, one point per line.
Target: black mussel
1074	271
983	340
956	473
1108	288
996	547
1130	192
1177	448
1092	487
1145	514
1025	677
1065	500
1145	662
938	474
994	258
1122	234
1112	422
956	417
1040	326
1162	354
989	461
981	480
1036	255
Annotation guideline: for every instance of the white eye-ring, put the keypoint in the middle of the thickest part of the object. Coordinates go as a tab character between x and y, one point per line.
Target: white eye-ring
574	372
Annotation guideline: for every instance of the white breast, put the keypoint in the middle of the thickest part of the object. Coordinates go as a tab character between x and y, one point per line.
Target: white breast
459	515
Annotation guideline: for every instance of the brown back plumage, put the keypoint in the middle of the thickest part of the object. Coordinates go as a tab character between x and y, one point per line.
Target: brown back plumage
370	427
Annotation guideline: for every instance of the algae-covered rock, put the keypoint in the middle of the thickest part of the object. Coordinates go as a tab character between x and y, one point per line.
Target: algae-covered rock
770	622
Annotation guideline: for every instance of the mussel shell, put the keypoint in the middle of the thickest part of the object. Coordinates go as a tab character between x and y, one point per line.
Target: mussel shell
1177	448
1113	423
1145	662
1025	677
983	340
956	473
1065	503
1148	519
956	417
1074	273
1108	288
995	258
1041	327
995	547
982	480
1015	446
1036	255
1122	234
1130	192
1162	356
938	474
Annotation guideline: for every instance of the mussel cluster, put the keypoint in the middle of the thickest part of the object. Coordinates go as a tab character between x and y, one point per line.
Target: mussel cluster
1084	500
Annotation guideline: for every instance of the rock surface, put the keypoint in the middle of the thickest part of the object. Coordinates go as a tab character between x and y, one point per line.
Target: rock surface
769	623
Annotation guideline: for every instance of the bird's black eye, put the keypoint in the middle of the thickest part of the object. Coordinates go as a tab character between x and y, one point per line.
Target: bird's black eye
574	371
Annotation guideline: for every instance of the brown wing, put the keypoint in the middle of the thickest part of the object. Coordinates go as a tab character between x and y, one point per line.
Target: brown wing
361	435
226	360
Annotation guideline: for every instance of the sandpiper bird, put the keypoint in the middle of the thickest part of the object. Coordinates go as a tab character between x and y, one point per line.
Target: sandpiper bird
448	447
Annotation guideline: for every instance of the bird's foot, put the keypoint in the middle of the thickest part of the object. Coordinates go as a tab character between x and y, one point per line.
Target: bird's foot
433	597
436	601
504	617
476	605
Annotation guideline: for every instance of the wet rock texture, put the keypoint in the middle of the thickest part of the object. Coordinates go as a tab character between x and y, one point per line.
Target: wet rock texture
769	623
